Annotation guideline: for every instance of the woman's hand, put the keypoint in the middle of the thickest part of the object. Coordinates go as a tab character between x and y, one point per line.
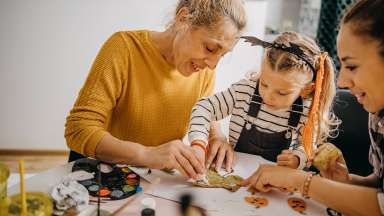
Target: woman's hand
337	168
288	159
174	155
267	177
199	151
218	151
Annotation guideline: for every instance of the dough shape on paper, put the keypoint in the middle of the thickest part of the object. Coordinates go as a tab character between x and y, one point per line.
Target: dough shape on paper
212	179
258	202
297	204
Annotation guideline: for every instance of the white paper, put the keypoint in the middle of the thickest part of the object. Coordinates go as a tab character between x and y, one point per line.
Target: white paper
147	174
218	201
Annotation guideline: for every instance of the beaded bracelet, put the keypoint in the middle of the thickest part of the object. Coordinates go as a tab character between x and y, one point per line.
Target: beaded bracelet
201	146
306	185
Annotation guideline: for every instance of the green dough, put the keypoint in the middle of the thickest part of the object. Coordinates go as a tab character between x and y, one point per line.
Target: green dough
215	180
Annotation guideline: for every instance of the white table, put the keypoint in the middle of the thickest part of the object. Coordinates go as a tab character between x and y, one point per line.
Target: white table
278	202
45	181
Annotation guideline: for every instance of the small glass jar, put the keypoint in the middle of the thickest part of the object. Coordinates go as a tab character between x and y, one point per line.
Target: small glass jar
38	204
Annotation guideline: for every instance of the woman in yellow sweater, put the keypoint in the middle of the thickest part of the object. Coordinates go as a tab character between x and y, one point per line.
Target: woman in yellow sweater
135	105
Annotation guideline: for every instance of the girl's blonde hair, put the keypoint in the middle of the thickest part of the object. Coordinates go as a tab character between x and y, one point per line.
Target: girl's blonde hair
326	124
207	13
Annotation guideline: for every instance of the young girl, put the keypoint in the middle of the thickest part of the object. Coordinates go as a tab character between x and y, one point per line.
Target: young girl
285	107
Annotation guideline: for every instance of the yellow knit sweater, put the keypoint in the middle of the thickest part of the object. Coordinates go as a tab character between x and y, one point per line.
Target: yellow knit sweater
132	93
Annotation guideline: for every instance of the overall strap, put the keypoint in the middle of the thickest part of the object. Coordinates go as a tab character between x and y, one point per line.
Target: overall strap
255	104
297	110
294	117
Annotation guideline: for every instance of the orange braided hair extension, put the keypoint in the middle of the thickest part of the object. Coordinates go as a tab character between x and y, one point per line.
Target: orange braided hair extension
312	124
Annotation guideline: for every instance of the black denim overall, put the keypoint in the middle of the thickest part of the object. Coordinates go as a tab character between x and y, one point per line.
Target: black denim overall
267	145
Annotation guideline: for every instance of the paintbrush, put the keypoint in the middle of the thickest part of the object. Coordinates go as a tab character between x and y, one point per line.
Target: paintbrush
137	196
187	209
99	183
23	195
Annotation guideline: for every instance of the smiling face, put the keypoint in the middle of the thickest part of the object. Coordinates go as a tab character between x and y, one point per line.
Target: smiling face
362	68
280	89
196	48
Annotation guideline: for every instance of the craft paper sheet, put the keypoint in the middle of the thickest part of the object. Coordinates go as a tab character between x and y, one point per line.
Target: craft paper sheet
218	201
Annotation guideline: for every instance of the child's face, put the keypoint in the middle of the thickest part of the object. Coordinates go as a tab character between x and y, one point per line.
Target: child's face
362	69
279	89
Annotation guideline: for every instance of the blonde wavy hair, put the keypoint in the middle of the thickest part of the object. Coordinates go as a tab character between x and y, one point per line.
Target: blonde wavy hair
207	13
327	124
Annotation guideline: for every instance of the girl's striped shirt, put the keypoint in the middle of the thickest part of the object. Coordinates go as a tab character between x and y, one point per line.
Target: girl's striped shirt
235	101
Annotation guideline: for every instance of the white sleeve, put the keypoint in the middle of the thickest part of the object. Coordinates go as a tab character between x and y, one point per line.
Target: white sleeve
300	153
208	109
215	108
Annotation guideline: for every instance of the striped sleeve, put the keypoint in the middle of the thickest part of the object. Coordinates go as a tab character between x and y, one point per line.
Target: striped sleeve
298	148
208	109
300	153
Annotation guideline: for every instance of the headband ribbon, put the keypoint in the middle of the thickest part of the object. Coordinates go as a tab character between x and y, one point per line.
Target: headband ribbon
292	48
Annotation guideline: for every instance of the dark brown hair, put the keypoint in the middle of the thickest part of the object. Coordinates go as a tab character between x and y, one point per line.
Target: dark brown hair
367	17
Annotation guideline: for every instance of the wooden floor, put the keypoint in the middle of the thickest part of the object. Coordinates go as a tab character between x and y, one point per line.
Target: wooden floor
34	161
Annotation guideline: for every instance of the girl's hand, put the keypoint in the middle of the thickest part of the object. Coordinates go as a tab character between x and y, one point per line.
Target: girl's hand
267	177
218	151
288	159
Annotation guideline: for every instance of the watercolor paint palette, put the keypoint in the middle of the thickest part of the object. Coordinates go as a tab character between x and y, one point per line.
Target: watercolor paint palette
116	181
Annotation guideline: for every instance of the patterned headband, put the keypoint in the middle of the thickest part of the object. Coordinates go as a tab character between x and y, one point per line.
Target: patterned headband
292	48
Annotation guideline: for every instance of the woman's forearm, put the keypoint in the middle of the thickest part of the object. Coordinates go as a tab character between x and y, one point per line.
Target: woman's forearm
369	181
113	150
345	198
